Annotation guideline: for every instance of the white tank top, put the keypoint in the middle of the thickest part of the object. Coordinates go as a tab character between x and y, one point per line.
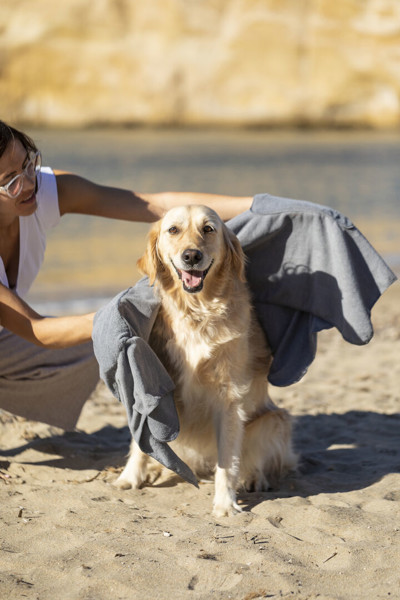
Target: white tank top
32	234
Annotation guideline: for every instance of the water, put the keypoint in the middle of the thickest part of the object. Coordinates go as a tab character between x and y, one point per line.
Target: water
90	259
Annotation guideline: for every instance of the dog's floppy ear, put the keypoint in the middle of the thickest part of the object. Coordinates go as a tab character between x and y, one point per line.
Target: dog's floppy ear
149	263
236	256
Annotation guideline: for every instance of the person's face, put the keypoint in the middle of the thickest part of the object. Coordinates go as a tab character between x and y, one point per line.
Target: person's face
12	163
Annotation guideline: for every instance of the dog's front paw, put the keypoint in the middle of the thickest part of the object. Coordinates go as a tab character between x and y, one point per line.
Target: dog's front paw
222	510
225	506
122	483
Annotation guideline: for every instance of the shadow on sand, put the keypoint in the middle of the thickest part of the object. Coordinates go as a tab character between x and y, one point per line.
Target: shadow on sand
338	453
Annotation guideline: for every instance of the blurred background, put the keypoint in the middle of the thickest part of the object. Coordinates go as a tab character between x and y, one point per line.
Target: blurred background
297	98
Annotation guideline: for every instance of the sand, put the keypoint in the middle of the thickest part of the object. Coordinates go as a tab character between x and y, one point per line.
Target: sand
332	531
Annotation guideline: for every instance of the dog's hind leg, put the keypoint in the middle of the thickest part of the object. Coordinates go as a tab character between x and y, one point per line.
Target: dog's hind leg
135	471
229	430
267	450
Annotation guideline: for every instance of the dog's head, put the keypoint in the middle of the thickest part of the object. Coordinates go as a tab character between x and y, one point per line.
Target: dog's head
190	247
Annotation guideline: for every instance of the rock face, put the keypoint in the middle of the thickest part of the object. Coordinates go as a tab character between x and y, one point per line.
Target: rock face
240	62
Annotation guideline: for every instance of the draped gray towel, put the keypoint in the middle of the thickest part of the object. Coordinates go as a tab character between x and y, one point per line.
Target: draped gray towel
308	267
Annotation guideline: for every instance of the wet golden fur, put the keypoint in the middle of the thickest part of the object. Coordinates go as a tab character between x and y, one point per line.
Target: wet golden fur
215	351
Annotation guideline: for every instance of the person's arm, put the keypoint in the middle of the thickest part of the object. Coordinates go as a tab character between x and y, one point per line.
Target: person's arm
79	195
51	332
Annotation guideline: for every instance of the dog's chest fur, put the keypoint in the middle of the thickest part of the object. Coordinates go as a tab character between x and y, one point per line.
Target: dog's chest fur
196	347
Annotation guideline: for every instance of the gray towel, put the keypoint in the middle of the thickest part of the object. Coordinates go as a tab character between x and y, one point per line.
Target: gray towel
135	375
309	269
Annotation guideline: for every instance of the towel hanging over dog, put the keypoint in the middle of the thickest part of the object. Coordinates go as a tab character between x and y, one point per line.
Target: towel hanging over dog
309	268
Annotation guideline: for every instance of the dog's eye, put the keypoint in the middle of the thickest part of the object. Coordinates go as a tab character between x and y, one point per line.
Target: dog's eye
208	229
173	230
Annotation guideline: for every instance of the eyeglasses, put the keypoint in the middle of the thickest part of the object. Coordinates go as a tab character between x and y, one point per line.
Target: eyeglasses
14	187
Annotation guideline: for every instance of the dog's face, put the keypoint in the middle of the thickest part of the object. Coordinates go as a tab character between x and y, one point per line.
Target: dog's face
189	246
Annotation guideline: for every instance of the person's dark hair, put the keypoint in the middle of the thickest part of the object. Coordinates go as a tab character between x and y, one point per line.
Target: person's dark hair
8	133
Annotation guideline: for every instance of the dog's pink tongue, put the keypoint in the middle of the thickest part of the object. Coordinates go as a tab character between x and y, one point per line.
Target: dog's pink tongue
191	278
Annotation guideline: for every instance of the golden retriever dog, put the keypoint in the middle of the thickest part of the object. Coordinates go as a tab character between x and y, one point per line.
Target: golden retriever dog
208	338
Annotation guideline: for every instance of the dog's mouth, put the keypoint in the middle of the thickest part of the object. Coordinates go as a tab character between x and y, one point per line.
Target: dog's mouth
192	280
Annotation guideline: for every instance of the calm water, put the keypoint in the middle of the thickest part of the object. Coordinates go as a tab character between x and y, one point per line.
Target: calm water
356	173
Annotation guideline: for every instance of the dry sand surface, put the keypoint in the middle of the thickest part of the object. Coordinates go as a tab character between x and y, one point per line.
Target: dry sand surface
332	531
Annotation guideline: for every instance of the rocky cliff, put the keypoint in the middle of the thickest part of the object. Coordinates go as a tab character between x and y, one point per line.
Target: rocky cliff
240	62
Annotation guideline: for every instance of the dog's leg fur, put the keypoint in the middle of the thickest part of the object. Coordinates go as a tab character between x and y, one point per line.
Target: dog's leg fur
229	430
267	451
135	471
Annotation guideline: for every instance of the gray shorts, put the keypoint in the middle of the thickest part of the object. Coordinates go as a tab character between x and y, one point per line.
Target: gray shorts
44	384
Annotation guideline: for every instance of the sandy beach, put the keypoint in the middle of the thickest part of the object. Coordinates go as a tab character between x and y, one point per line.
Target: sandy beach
332	531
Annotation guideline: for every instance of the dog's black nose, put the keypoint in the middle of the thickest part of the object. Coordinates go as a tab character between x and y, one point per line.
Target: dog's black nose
191	256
